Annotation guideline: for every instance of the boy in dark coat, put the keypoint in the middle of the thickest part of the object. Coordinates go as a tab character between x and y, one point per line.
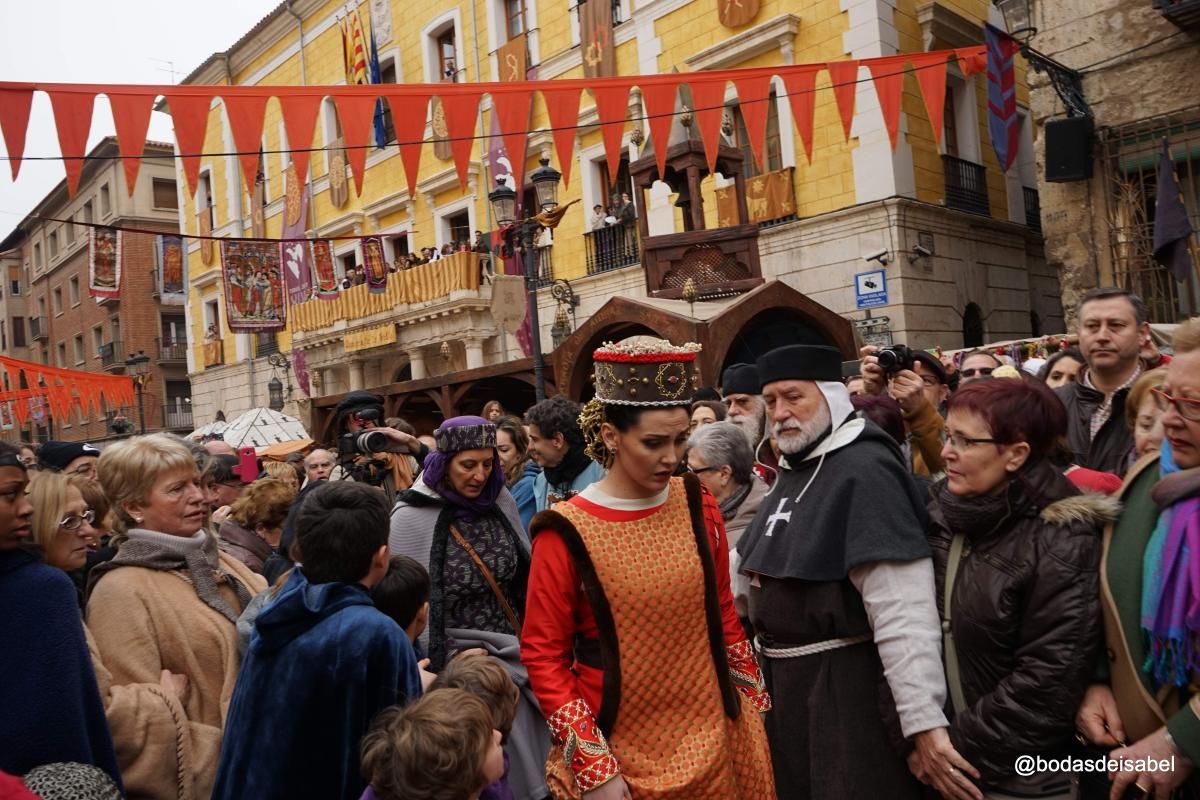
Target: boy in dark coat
323	661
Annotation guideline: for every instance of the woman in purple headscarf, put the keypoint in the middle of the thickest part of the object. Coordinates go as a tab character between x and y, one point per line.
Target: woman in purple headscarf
460	522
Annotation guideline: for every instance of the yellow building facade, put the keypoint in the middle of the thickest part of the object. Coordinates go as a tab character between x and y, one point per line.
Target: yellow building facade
855	198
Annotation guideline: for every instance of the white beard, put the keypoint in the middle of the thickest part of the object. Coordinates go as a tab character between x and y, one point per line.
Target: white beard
750	424
794	436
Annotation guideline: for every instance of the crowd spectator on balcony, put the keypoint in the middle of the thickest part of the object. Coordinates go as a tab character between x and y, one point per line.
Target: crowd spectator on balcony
448	248
1062	368
434	255
1113	328
52	708
177	675
255	524
71	458
626	211
556	445
597	220
483	244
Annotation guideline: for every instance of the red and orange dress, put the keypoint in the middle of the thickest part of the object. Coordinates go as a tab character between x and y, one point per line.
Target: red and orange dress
635	652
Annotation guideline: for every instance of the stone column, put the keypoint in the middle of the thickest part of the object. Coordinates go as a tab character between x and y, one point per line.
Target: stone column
474	352
356	375
416	358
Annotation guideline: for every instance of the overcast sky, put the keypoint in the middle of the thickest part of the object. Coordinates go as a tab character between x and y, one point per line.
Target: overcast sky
114	41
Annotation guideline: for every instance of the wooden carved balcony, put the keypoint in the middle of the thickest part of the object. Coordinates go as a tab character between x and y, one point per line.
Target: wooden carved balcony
722	261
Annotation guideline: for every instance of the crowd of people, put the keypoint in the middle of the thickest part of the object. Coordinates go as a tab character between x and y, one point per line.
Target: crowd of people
357	276
898	582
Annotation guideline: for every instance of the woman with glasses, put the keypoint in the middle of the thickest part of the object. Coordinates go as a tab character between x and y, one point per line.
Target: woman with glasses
28	456
50	706
163	614
62	521
1149	706
1016	549
719	455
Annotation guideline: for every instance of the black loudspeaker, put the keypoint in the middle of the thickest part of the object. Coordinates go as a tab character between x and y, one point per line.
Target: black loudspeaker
1069	149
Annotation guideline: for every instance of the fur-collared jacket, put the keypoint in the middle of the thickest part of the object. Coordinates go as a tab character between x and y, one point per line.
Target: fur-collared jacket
1026	618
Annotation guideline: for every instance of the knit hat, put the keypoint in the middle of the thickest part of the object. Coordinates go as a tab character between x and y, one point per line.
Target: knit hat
800	362
57	455
741	379
645	371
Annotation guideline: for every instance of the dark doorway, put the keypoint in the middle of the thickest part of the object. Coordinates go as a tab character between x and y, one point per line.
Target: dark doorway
972	326
773	328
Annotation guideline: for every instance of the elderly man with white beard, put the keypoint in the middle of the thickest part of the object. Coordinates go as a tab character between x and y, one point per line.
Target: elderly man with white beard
841	595
742	393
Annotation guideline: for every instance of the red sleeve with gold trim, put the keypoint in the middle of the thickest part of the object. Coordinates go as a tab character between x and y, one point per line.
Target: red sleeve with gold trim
584	747
743	665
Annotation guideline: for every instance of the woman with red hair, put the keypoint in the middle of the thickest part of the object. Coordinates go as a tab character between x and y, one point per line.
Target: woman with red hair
1016	552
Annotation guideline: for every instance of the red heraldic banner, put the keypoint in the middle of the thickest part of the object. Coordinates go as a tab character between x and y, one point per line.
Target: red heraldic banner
253	286
322	260
375	264
104	262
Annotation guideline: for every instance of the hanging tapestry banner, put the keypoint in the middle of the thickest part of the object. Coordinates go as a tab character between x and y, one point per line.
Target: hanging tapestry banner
375	265
169	254
512	58
322	264
206	244
297	268
104	262
253	286
339	192
736	13
596	38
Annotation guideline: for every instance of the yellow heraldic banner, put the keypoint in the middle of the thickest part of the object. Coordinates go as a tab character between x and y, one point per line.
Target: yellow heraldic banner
370	337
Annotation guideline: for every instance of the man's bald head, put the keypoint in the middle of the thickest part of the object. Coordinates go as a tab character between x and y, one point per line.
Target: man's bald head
219	448
318	464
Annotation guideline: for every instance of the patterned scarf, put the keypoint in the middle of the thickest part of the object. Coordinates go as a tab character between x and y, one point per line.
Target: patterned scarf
196	555
1171	575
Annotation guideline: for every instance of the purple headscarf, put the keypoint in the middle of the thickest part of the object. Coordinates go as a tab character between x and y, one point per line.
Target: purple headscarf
454	436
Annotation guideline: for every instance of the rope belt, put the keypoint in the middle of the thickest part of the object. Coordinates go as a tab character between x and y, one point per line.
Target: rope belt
809	649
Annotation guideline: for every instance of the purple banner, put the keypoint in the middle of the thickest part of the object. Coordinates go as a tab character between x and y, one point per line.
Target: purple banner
297	269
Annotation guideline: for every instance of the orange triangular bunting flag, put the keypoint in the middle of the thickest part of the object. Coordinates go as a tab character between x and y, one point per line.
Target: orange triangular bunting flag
14	124
709	97
299	119
612	106
844	76
801	85
131	118
189	113
73	119
754	99
888	75
930	69
562	107
409	114
246	124
971	60
659	98
512	117
462	110
357	114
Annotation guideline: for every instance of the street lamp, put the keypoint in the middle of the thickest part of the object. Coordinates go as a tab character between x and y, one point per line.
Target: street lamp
275	396
139	369
504	201
1018	18
1067	82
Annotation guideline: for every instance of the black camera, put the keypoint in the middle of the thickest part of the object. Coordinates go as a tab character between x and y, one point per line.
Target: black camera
895	358
365	443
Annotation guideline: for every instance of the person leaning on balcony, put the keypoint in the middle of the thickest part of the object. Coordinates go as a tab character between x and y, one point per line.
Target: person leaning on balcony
1145	697
920	392
597	221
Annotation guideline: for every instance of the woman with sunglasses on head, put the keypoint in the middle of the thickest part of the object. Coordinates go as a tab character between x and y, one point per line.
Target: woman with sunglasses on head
1149	707
1016	549
51	707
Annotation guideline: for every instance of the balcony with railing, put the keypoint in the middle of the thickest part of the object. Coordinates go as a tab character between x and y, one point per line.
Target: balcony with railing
611	247
170	350
1184	13
177	416
966	185
112	355
214	353
1033	209
39	328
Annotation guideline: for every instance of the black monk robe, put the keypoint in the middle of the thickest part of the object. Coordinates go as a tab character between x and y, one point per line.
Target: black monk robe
834	729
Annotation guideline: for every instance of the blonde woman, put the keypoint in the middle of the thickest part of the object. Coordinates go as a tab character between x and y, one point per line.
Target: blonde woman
255	523
163	616
62	520
282	471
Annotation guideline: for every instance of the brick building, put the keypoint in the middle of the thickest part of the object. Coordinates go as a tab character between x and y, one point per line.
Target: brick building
50	317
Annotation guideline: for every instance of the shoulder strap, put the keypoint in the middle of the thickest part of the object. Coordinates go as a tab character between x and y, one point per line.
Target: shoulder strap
953	678
491	579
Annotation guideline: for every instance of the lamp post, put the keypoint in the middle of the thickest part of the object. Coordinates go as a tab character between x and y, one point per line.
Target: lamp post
139	370
504	203
1067	82
275	396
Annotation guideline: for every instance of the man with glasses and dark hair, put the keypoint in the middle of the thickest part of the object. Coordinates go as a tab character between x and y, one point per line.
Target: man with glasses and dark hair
77	459
1113	328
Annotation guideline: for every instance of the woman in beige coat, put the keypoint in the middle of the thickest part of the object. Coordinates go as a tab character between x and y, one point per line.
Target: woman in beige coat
163	616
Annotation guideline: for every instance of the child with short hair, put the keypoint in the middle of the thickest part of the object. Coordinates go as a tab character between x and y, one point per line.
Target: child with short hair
487	679
442	747
403	594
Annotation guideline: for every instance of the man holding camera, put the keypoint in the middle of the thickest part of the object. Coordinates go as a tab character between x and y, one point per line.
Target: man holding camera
381	459
918	382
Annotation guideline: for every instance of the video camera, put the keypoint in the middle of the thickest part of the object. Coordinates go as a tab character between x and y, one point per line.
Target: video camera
357	449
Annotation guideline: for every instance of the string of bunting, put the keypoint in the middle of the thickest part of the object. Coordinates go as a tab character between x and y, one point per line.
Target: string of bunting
245	106
55	392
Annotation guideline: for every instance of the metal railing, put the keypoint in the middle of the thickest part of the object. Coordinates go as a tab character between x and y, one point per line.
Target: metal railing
1033	209
112	354
612	247
177	416
39	328
171	350
966	185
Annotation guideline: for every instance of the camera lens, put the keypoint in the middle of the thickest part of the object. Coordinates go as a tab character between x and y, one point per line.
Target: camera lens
888	359
371	442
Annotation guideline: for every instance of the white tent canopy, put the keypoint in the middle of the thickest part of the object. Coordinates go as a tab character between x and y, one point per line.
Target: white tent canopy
211	429
260	427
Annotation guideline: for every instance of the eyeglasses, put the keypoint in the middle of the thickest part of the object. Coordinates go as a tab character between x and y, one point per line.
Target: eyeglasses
73	522
1187	408
983	372
83	469
962	443
699	470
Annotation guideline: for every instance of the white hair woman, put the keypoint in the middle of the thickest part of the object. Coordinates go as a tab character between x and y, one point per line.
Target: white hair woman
720	456
163	615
